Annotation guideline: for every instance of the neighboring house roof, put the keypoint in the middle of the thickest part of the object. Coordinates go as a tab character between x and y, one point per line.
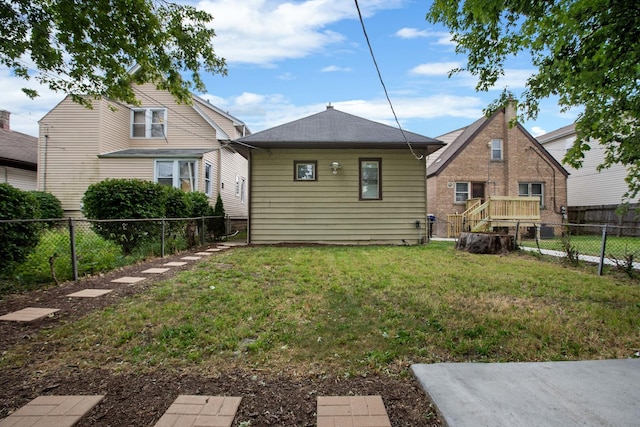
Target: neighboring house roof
158	153
467	135
558	133
335	129
18	150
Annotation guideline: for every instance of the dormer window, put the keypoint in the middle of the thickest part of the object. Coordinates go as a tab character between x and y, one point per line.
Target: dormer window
148	123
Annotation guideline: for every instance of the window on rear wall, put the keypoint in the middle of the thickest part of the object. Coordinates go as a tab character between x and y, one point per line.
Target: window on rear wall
462	192
370	179
177	173
496	149
532	189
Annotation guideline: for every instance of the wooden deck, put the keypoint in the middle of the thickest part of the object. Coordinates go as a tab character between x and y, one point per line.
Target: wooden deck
497	211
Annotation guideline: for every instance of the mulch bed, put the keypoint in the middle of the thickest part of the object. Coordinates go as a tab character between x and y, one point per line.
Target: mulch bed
139	399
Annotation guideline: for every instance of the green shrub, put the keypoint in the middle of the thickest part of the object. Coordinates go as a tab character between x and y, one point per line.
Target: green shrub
200	204
217	223
18	238
125	199
50	206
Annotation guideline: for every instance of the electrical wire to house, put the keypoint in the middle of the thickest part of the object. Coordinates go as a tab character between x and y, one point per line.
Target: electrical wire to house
384	87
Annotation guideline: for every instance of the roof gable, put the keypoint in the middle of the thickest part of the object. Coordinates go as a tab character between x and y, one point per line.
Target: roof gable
335	129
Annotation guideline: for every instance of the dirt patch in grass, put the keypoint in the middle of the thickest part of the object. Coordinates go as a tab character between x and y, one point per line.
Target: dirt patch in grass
134	398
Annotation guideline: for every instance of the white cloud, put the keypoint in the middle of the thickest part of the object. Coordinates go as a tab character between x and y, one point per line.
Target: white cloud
335	68
434	68
537	131
267	31
25	112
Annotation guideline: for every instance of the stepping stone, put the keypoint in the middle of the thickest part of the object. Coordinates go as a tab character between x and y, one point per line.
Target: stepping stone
90	293
189	410
175	264
156	270
60	411
128	279
214	250
191	258
352	411
204	253
28	314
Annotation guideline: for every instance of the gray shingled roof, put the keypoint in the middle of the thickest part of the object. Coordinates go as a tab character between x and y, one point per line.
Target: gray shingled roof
18	149
335	129
452	149
565	130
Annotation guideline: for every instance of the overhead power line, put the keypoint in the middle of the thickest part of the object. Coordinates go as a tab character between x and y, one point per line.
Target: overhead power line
384	87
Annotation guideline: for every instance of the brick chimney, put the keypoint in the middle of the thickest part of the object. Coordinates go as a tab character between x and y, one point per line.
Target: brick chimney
511	109
4	120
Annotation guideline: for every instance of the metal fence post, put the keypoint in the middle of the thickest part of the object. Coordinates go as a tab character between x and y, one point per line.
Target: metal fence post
162	238
72	241
602	249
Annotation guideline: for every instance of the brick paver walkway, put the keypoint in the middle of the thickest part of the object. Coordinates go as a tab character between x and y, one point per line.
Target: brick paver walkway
50	411
352	411
196	411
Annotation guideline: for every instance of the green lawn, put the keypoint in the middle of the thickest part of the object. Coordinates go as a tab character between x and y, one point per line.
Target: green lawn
355	310
618	247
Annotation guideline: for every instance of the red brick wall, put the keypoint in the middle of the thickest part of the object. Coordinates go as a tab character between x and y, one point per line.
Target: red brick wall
523	161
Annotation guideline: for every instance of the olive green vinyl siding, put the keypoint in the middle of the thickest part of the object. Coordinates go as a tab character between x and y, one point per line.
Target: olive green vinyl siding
329	210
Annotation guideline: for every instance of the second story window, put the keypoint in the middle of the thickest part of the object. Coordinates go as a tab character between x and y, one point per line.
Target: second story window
148	123
496	149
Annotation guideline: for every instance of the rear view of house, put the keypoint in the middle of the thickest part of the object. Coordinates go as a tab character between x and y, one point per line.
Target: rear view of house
337	178
18	156
184	146
497	160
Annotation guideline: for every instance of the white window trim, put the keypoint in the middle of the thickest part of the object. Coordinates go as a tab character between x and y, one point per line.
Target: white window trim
148	123
176	171
455	192
209	181
500	148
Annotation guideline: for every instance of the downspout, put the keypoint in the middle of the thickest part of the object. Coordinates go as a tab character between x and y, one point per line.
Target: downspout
44	163
426	202
250	198
553	171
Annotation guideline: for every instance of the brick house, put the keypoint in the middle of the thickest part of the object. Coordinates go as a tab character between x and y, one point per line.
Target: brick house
492	158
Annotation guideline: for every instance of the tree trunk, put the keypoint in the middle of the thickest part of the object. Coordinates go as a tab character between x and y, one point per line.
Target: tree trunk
486	243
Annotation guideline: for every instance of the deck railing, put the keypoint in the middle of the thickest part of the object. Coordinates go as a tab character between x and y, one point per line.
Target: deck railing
495	212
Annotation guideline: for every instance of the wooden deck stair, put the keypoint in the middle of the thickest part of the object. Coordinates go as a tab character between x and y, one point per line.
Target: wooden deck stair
497	211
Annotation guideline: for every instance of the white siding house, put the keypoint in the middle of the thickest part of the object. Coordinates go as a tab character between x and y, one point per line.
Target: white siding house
18	156
185	146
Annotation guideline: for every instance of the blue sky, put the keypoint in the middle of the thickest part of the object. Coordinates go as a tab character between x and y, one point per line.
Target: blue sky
289	59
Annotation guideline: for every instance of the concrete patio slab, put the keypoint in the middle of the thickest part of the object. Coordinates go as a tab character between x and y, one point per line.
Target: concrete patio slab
196	410
90	293
352	411
156	270
128	279
59	411
568	394
191	258
28	314
175	264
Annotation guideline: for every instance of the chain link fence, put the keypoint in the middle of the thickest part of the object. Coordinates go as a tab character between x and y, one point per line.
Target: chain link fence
602	244
68	249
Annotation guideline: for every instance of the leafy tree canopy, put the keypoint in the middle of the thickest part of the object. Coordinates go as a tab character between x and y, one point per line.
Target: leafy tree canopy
587	53
88	47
